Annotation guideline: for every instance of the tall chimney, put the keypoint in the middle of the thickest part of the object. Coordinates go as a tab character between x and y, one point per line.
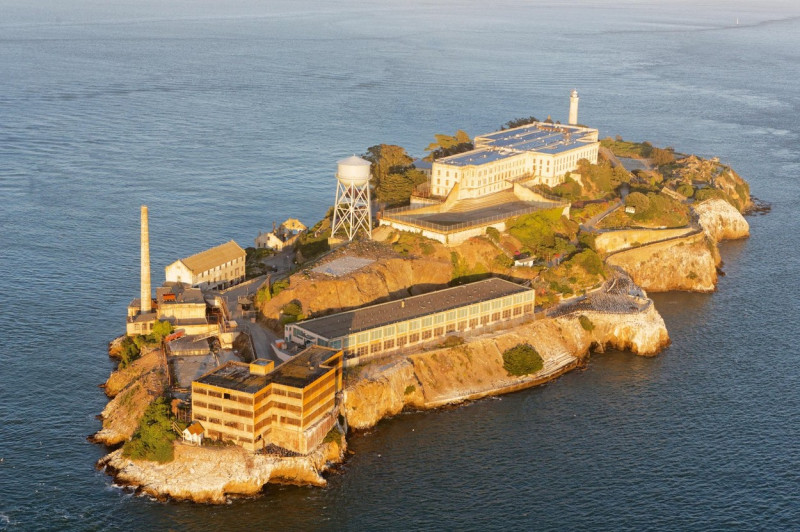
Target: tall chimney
145	295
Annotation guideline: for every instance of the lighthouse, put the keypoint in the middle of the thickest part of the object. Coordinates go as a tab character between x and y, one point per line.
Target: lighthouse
573	108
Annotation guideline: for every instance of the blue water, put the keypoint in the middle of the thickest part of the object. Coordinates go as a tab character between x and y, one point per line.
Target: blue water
225	116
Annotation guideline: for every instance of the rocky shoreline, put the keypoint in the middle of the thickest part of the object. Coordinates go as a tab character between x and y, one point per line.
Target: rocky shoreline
619	319
385	388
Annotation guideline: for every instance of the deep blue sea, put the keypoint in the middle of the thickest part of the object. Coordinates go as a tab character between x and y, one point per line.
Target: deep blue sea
225	116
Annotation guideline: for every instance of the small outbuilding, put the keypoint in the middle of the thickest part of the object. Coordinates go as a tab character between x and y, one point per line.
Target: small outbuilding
194	433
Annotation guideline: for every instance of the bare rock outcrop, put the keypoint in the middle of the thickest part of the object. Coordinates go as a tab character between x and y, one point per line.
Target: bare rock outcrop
132	389
688	263
721	221
381	281
212	474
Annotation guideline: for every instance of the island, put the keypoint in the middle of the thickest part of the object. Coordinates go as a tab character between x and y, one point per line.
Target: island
493	265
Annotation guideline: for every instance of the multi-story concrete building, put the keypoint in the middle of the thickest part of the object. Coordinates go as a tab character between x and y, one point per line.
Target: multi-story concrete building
255	405
540	151
219	267
416	320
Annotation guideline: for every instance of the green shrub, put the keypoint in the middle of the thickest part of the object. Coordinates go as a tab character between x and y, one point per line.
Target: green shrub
686	190
129	352
503	260
279	286
522	359
590	261
638	201
452	341
161	329
293	308
410	389
493	233
332	436
586	323
153	439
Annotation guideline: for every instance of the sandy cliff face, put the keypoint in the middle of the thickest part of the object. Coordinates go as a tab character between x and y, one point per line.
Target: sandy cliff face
132	389
721	221
475	369
381	281
211	474
681	264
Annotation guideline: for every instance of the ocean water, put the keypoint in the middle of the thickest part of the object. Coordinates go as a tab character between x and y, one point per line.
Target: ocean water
223	117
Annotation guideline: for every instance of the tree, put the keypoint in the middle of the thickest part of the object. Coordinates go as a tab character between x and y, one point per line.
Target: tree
518	122
394	174
153	439
522	359
161	329
449	145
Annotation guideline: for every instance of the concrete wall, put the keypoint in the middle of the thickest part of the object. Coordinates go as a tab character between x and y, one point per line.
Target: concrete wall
612	241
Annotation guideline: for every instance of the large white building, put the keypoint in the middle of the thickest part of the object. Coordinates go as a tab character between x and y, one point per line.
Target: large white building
542	152
219	267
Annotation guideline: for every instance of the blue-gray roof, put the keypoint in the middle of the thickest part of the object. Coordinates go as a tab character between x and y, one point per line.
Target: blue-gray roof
549	139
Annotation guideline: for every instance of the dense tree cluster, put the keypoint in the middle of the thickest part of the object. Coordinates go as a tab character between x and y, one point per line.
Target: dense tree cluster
153	439
447	145
394	174
518	122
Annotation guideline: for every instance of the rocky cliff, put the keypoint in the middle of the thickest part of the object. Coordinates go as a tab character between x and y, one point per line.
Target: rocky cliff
380	281
721	221
475	369
132	389
212	474
687	263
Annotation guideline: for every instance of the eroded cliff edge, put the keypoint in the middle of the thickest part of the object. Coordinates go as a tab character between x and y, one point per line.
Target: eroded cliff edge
452	375
688	262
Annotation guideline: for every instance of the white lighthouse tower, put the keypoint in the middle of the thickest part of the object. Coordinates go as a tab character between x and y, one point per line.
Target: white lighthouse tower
573	108
353	210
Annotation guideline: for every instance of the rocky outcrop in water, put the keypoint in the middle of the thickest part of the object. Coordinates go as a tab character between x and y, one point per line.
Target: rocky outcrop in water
721	221
212	474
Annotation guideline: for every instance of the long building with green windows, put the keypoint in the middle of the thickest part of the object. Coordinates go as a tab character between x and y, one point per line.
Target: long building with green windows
417	320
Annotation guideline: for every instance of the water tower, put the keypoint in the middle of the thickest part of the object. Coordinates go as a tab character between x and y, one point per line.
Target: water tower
573	108
352	210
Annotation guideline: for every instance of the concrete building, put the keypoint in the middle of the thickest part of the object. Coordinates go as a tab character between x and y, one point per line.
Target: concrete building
540	152
219	267
293	406
183	306
386	327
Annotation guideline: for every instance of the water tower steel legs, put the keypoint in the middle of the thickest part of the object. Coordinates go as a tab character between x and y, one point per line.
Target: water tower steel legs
352	210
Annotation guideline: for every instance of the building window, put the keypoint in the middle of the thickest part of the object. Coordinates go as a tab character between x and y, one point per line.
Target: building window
517	311
450	327
403	340
462	325
374	348
495	316
413	338
388	344
438	331
362	350
473	323
426	335
507	313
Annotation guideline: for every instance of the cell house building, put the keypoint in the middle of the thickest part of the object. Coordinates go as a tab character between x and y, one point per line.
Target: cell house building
382	328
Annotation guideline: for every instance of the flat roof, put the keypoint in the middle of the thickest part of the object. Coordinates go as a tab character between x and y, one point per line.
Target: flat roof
344	323
298	372
538	137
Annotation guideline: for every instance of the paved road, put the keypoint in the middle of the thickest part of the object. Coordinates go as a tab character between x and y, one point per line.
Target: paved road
261	336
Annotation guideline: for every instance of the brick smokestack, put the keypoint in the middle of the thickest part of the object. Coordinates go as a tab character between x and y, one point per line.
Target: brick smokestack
145	295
